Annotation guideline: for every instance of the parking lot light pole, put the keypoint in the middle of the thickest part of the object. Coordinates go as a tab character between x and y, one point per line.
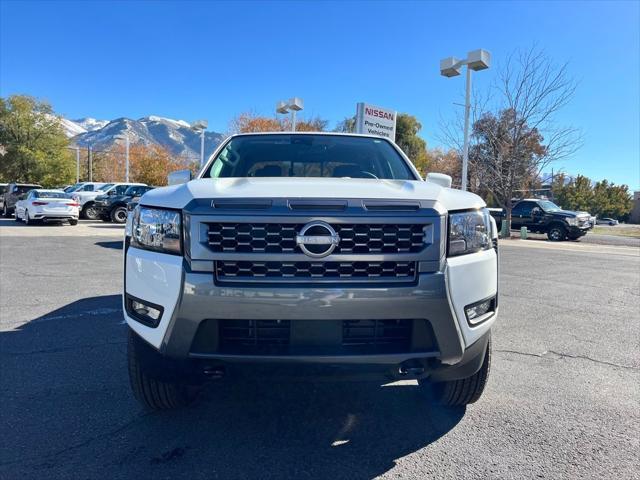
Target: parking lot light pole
77	164
293	105
125	137
200	126
450	67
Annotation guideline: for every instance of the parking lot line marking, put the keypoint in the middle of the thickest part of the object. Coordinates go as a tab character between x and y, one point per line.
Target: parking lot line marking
573	247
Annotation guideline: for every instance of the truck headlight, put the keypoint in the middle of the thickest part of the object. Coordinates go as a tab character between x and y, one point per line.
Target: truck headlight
573	221
469	232
157	229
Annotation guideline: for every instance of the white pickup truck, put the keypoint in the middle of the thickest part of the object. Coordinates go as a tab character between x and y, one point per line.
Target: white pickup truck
317	251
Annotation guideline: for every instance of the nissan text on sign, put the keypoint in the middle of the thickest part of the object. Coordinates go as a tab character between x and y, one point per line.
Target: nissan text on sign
372	120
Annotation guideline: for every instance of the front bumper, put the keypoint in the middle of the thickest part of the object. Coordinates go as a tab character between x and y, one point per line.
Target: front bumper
575	230
101	209
435	304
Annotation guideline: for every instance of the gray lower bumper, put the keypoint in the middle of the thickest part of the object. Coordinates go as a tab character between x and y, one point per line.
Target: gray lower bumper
202	299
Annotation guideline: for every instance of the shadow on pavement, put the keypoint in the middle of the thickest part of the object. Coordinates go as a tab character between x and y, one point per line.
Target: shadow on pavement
116	244
68	413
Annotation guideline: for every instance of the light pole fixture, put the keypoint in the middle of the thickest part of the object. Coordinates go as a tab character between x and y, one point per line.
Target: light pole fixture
293	105
125	137
200	126
450	67
77	150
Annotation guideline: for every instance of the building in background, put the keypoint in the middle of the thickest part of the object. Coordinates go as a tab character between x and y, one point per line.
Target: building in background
634	216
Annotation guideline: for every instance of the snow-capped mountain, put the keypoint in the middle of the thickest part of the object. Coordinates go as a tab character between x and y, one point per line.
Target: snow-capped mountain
175	135
71	128
90	124
77	127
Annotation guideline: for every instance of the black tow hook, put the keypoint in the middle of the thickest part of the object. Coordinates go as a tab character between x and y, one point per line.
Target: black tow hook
411	370
214	372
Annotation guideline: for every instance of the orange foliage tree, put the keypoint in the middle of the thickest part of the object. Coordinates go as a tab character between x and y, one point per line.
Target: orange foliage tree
151	164
248	122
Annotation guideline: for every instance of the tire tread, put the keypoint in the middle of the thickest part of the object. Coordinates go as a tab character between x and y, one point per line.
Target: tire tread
464	391
150	392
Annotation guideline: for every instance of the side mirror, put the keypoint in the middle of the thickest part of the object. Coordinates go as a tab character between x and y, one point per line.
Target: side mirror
179	176
535	212
439	179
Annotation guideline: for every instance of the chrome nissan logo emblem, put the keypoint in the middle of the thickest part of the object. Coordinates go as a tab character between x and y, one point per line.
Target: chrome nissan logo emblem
317	239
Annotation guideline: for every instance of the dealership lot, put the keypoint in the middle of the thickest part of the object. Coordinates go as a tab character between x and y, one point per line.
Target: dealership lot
562	401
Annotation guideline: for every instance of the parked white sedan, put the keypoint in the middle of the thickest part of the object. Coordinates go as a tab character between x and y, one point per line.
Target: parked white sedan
47	206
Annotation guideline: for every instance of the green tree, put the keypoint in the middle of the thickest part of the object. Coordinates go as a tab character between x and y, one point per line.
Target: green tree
35	144
407	128
578	194
610	200
348	125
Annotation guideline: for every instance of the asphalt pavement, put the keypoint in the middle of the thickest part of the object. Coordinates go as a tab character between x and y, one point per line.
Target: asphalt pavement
562	400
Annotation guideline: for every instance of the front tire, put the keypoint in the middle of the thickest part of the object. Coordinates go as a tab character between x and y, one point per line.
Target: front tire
119	215
27	220
153	394
557	233
73	221
457	393
90	212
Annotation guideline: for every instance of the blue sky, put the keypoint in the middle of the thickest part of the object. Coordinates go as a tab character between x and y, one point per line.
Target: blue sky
189	60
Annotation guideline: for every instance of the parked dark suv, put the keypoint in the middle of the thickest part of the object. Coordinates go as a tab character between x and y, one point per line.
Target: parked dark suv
112	207
544	216
11	194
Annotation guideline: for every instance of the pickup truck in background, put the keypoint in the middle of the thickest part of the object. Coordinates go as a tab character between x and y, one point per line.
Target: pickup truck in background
86	199
544	216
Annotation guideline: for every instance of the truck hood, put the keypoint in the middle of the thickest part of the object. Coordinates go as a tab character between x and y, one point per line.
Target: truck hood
178	196
570	213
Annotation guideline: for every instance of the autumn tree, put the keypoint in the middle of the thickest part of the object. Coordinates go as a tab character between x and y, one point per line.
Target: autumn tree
249	122
34	143
314	124
152	164
447	162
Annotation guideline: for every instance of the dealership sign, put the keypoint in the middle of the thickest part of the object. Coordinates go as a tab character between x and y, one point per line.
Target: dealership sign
372	120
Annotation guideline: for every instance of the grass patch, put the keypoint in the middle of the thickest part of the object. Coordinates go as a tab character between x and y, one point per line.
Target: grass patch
618	230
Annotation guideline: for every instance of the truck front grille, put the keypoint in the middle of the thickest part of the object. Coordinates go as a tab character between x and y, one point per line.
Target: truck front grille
388	336
332	271
258	337
275	337
281	238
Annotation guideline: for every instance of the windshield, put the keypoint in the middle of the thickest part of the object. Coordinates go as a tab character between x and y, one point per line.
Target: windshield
548	206
49	194
105	187
310	155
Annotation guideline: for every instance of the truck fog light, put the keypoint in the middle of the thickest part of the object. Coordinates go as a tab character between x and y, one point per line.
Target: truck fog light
146	313
476	312
142	309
